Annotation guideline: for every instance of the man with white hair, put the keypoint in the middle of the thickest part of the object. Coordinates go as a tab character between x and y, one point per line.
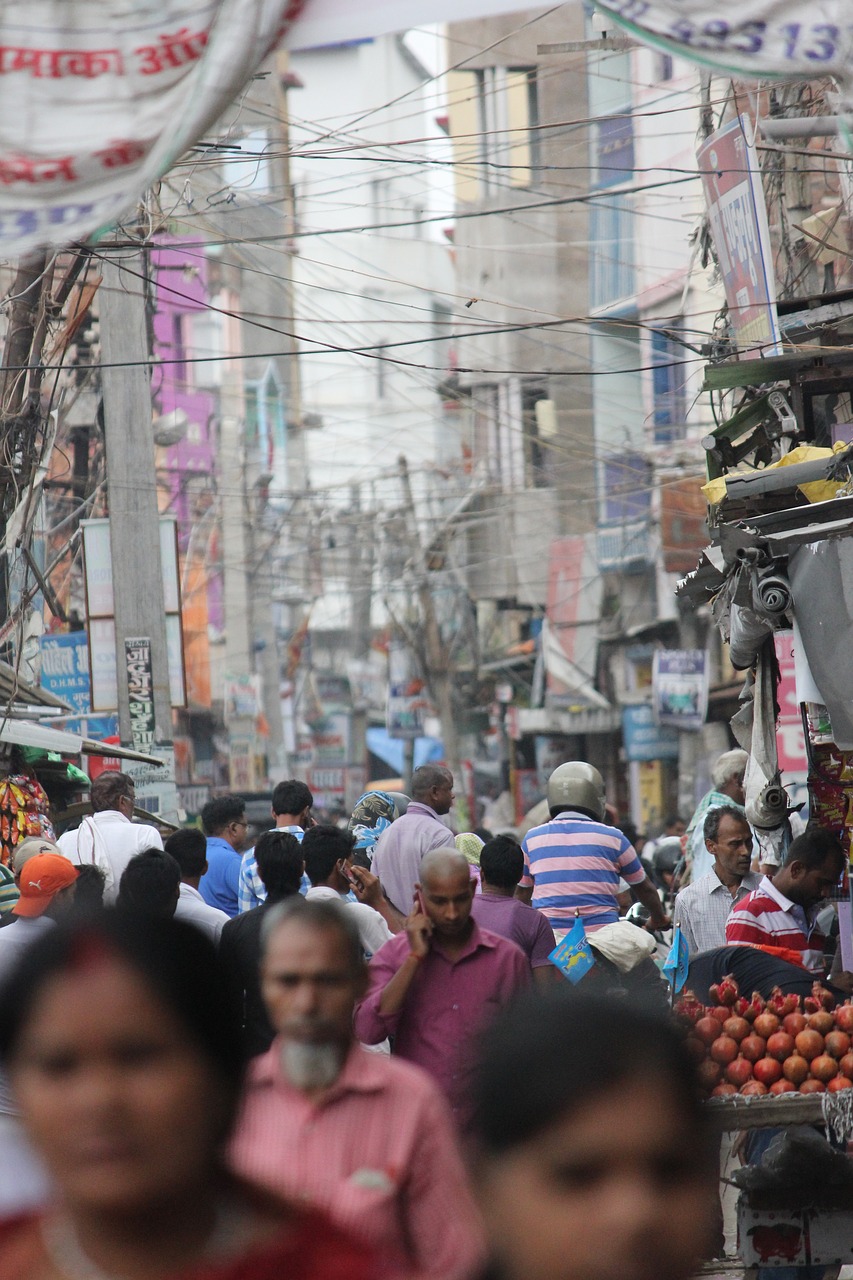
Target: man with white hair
727	776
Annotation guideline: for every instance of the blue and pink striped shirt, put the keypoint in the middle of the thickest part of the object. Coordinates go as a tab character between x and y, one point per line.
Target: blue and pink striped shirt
573	865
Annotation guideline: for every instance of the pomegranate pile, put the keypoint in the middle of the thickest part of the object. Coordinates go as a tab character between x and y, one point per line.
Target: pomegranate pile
779	1045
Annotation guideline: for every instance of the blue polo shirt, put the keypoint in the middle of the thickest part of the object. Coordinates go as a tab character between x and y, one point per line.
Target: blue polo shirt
220	883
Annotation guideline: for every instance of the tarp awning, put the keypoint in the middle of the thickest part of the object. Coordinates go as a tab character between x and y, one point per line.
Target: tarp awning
23	733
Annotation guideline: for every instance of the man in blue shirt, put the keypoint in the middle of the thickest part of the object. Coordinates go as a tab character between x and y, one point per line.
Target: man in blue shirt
225	825
291	811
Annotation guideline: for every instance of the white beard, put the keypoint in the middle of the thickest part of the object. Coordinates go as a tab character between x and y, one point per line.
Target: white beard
311	1066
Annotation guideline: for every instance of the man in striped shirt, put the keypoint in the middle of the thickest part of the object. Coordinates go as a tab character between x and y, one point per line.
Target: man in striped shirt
573	863
780	916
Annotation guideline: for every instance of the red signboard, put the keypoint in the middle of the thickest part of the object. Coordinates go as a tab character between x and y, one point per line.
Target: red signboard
790	744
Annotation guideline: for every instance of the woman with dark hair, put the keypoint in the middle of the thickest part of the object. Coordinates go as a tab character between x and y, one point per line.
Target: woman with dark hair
126	1070
592	1154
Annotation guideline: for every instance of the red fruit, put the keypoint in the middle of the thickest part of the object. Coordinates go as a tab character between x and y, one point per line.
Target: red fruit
822	1022
707	1029
812	1086
837	1044
755	1007
794	1023
739	1071
846	1065
811	1004
740	1006
765	1024
780	1045
737	1028
725	992
781	1004
844	1018
767	1070
724	1090
752	1088
688	1009
696	1048
809	1043
826	998
795	1069
724	1049
708	1074
837	1083
720	1012
782	1086
753	1047
823	1067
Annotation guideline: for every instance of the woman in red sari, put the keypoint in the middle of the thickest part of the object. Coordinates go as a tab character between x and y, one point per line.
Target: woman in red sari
125	1064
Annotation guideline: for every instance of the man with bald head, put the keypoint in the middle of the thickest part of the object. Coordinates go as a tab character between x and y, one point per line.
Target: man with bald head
434	987
399	850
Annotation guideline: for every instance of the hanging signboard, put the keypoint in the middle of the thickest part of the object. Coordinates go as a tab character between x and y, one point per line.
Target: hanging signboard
755	38
680	687
140	691
100	611
738	216
407	700
644	737
65	668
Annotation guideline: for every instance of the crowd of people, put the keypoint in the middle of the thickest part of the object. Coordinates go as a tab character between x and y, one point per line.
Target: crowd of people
337	1052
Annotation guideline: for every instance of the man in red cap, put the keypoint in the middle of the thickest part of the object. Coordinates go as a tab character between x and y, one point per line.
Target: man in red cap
47	891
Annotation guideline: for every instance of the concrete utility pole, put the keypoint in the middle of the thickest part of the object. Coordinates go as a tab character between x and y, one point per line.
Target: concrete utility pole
239	659
438	665
360	572
131	481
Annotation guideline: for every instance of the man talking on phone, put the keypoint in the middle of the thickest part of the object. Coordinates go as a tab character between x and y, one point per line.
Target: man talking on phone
328	864
433	987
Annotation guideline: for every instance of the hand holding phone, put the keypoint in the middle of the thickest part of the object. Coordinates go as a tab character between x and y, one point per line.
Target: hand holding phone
419	927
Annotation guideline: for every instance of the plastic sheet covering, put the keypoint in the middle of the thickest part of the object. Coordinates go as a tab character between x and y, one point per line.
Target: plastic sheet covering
98	98
747	633
821	577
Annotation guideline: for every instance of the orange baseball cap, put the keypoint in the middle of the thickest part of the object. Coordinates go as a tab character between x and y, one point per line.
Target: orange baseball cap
42	878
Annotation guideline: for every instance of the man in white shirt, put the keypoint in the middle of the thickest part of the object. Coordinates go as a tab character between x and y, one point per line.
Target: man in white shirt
189	849
108	838
702	908
328	864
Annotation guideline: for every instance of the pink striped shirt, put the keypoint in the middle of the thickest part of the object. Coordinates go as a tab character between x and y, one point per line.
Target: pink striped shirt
377	1152
766	918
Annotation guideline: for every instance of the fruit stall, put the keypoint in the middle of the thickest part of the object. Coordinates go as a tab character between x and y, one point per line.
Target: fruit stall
777	1064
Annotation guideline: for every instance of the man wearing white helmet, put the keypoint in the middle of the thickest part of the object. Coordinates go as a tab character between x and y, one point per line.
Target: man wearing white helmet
573	863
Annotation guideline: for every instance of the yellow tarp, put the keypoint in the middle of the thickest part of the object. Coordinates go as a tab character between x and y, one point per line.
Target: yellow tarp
815	490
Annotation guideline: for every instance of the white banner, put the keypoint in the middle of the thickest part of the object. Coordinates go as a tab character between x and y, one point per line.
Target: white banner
98	98
755	38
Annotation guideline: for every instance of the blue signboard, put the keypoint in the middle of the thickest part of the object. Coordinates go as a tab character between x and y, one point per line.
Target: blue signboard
65	668
644	738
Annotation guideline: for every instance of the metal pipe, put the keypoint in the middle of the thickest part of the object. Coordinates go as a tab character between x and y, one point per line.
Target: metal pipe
800	127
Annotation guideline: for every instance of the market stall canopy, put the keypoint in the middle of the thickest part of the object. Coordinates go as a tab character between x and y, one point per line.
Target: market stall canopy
23	733
14	690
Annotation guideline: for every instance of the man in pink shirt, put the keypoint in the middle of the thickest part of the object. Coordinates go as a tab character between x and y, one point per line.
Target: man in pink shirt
435	986
365	1137
398	852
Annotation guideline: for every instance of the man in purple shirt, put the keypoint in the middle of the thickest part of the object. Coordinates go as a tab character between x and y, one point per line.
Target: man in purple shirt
497	908
399	850
435	986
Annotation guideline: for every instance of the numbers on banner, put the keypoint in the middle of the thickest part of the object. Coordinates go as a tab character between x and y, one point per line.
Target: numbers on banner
819	42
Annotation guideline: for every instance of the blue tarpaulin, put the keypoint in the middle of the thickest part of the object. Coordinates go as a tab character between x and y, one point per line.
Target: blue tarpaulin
391	749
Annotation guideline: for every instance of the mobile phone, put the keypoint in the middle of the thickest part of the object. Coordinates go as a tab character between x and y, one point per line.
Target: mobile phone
347	874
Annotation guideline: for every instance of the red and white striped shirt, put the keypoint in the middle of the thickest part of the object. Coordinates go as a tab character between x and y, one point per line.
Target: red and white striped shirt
766	918
377	1152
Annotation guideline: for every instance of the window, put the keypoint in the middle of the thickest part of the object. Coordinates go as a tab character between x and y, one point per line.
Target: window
266	418
534	426
250	168
611	251
668	373
494	119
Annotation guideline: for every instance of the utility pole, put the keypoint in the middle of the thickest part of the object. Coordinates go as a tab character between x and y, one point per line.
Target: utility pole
438	665
360	568
131	482
235	562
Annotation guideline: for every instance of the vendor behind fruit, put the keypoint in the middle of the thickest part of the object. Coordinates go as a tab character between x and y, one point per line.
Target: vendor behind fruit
780	916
